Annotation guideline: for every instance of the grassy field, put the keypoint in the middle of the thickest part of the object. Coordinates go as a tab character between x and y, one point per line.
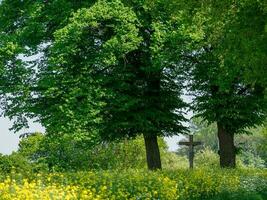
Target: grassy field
199	184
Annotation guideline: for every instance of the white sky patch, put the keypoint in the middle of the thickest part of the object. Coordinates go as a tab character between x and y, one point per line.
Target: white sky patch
173	141
9	140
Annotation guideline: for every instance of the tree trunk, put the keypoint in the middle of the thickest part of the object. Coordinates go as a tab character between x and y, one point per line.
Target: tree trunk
152	152
226	148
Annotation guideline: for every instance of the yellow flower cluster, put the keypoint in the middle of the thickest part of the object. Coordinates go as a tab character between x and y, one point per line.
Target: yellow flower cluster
35	190
131	184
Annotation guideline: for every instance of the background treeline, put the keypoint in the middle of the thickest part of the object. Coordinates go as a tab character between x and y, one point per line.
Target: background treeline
44	153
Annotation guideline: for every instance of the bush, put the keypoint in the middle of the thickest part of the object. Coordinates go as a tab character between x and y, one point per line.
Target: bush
251	160
207	158
171	161
69	153
14	163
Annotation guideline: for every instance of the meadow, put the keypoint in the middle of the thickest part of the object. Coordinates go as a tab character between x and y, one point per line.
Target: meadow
198	184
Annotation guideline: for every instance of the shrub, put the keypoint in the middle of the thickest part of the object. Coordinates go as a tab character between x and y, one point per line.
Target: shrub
14	162
206	158
69	153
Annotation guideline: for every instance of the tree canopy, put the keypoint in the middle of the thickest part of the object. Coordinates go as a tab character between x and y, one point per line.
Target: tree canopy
224	81
100	69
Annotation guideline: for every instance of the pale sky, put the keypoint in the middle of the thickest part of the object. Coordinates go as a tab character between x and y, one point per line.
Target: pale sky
8	139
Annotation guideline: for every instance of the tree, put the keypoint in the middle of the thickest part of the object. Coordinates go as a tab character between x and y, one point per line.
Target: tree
234	107
15	163
225	56
27	28
101	69
223	92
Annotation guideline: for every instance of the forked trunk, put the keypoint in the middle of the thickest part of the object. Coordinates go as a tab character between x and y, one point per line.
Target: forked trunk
152	152
226	148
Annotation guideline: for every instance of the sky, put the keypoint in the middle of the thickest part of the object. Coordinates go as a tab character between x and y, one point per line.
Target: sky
8	139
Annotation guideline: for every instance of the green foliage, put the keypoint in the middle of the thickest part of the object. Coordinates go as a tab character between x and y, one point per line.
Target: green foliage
101	68
128	154
29	145
100	62
206	158
77	64
129	90
251	160
69	153
244	41
262	148
222	91
209	159
116	69
251	146
14	163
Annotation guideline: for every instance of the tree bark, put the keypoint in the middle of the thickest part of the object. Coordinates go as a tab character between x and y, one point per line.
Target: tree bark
226	148
152	152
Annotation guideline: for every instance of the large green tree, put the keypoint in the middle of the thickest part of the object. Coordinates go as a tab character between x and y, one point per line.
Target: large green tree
101	68
229	70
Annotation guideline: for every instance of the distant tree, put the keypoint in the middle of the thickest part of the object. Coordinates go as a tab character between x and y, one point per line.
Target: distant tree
29	146
262	147
253	146
59	152
15	163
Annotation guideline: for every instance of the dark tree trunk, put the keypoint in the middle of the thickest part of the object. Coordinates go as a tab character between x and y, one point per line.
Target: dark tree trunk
152	152
226	148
